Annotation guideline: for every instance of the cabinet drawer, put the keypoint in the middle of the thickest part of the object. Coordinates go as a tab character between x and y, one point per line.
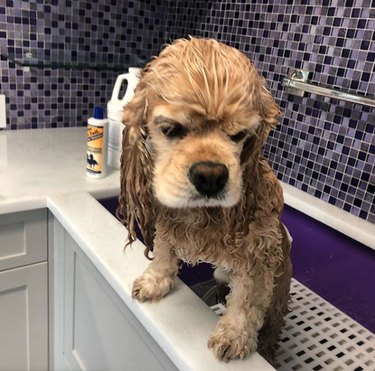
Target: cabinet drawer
23	238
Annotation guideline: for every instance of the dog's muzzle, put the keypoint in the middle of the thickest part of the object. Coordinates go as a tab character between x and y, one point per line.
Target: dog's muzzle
209	178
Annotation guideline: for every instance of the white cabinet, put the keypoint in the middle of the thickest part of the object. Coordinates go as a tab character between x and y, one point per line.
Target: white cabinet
23	318
23	291
94	329
23	238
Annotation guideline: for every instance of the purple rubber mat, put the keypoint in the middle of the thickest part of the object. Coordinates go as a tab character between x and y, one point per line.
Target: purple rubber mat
336	267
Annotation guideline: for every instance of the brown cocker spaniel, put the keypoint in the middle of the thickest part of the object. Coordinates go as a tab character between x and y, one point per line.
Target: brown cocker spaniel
193	178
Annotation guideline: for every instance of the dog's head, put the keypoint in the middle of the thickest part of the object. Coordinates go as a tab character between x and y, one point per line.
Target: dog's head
199	117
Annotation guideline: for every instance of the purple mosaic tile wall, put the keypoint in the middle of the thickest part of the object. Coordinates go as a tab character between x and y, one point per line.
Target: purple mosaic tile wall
323	146
93	33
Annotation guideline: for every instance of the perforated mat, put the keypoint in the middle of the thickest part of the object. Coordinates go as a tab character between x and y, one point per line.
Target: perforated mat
318	336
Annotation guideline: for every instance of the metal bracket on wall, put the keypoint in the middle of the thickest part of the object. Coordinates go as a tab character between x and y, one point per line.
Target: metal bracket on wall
297	83
295	76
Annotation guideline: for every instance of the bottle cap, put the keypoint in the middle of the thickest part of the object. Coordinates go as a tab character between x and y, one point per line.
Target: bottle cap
98	113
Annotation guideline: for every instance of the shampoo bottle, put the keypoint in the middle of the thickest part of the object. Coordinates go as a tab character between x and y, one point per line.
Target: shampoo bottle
115	109
97	130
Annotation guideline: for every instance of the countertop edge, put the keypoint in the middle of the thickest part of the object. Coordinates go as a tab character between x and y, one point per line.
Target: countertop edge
27	203
330	215
22	204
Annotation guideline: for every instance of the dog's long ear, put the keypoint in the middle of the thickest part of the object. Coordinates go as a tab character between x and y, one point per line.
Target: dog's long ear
136	202
257	183
268	109
269	112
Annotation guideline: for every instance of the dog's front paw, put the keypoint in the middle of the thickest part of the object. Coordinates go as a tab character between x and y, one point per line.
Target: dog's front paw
228	342
150	288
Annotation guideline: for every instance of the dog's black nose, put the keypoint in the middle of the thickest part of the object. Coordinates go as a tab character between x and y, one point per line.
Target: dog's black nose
208	177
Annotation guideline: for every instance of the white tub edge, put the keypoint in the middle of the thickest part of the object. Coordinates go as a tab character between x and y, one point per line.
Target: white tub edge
344	222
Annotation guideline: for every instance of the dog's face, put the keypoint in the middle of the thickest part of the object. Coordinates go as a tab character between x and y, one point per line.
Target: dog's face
197	160
202	105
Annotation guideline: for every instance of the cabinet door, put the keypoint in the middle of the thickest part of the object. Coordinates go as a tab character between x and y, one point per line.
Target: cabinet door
94	330
23	318
23	238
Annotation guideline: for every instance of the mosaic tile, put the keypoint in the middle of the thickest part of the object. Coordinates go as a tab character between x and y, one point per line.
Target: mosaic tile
86	32
335	41
323	146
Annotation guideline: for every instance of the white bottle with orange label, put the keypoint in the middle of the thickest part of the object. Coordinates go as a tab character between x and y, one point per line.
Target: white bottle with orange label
97	132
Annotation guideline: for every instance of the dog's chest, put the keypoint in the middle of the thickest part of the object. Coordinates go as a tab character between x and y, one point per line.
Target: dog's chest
197	238
197	247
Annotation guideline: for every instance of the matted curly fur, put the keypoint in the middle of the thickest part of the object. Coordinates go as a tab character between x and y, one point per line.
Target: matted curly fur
194	180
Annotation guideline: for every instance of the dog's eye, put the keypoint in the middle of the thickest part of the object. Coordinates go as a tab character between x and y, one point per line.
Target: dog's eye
239	136
174	131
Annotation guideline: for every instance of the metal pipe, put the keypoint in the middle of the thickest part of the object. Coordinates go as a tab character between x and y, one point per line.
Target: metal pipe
296	80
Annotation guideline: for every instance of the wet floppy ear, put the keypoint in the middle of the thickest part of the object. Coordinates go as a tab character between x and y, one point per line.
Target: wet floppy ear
269	111
248	147
136	202
269	114
135	111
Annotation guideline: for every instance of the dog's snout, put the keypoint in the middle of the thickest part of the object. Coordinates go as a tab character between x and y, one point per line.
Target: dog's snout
208	177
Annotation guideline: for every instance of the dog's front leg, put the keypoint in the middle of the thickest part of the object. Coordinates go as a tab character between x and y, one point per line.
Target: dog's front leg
236	333
159	277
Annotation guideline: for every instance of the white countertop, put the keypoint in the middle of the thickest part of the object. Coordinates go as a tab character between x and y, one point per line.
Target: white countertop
35	164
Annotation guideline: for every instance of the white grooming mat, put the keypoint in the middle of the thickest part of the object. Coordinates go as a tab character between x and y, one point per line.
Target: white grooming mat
318	336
